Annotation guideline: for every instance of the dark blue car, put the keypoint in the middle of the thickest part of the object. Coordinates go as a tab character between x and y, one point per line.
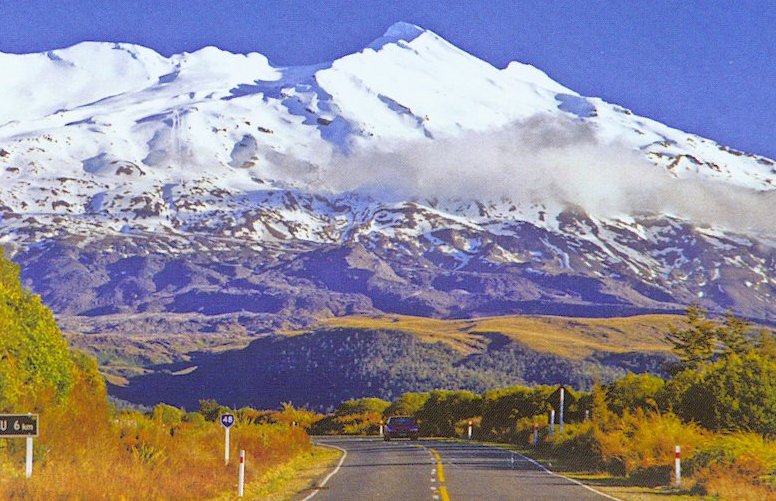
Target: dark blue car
401	427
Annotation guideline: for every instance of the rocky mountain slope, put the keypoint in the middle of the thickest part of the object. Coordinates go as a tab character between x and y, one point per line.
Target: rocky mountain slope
410	177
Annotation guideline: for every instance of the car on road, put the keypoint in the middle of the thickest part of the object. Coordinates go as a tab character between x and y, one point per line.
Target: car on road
401	427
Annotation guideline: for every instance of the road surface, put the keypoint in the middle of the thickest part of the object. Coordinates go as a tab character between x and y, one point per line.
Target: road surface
373	470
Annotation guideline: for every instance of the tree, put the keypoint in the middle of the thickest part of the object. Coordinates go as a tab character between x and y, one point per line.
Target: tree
734	335
408	404
733	393
34	357
444	409
634	391
693	345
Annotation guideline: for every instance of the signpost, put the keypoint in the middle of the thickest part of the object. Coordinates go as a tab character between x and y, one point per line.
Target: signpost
21	426
227	420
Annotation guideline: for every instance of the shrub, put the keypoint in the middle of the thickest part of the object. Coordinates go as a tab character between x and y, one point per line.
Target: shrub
361	406
642	440
634	392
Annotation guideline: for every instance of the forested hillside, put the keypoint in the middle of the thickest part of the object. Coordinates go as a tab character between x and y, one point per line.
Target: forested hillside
321	368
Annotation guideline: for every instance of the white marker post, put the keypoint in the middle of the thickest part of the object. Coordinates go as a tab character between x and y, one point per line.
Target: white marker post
678	465
536	435
560	417
469	430
552	423
241	475
587	414
28	463
381	428
227	420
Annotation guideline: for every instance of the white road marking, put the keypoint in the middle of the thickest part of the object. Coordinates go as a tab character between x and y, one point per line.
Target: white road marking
543	468
339	465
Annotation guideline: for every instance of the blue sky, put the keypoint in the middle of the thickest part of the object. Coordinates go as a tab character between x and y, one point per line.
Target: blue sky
703	66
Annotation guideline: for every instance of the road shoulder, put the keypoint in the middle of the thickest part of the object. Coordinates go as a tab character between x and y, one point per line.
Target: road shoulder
294	479
603	483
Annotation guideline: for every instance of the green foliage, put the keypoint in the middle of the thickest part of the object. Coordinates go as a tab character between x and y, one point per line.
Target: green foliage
734	335
209	409
503	407
34	357
408	404
444	408
750	453
362	406
167	414
194	418
634	392
694	345
297	416
734	393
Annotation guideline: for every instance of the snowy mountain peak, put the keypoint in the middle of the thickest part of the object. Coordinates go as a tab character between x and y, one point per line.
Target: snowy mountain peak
413	149
400	31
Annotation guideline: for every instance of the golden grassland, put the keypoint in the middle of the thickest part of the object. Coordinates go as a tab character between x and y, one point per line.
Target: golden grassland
574	338
86	451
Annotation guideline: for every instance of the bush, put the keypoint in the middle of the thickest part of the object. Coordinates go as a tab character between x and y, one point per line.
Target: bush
408	404
167	414
735	393
642	440
634	392
444	409
362	406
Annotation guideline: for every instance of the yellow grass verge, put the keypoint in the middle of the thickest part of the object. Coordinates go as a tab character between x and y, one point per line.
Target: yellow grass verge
291	479
574	338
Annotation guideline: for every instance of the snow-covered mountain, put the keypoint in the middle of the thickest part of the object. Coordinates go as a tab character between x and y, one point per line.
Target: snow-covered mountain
409	177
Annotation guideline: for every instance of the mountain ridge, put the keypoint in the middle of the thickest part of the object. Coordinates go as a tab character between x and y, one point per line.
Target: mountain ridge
409	177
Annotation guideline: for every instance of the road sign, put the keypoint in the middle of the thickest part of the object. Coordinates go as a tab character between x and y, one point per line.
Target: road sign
227	420
18	425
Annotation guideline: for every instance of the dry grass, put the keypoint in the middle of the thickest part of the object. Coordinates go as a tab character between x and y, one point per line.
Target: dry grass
84	453
574	338
290	479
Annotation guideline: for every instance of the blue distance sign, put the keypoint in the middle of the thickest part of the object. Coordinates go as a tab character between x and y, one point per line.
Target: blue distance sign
227	420
18	425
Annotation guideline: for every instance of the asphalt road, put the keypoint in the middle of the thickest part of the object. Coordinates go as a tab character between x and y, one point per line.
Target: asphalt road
374	470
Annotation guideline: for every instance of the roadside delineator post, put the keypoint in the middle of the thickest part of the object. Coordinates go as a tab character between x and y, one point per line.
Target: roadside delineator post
381	427
678	465
552	423
469	430
241	475
587	414
536	434
560	417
